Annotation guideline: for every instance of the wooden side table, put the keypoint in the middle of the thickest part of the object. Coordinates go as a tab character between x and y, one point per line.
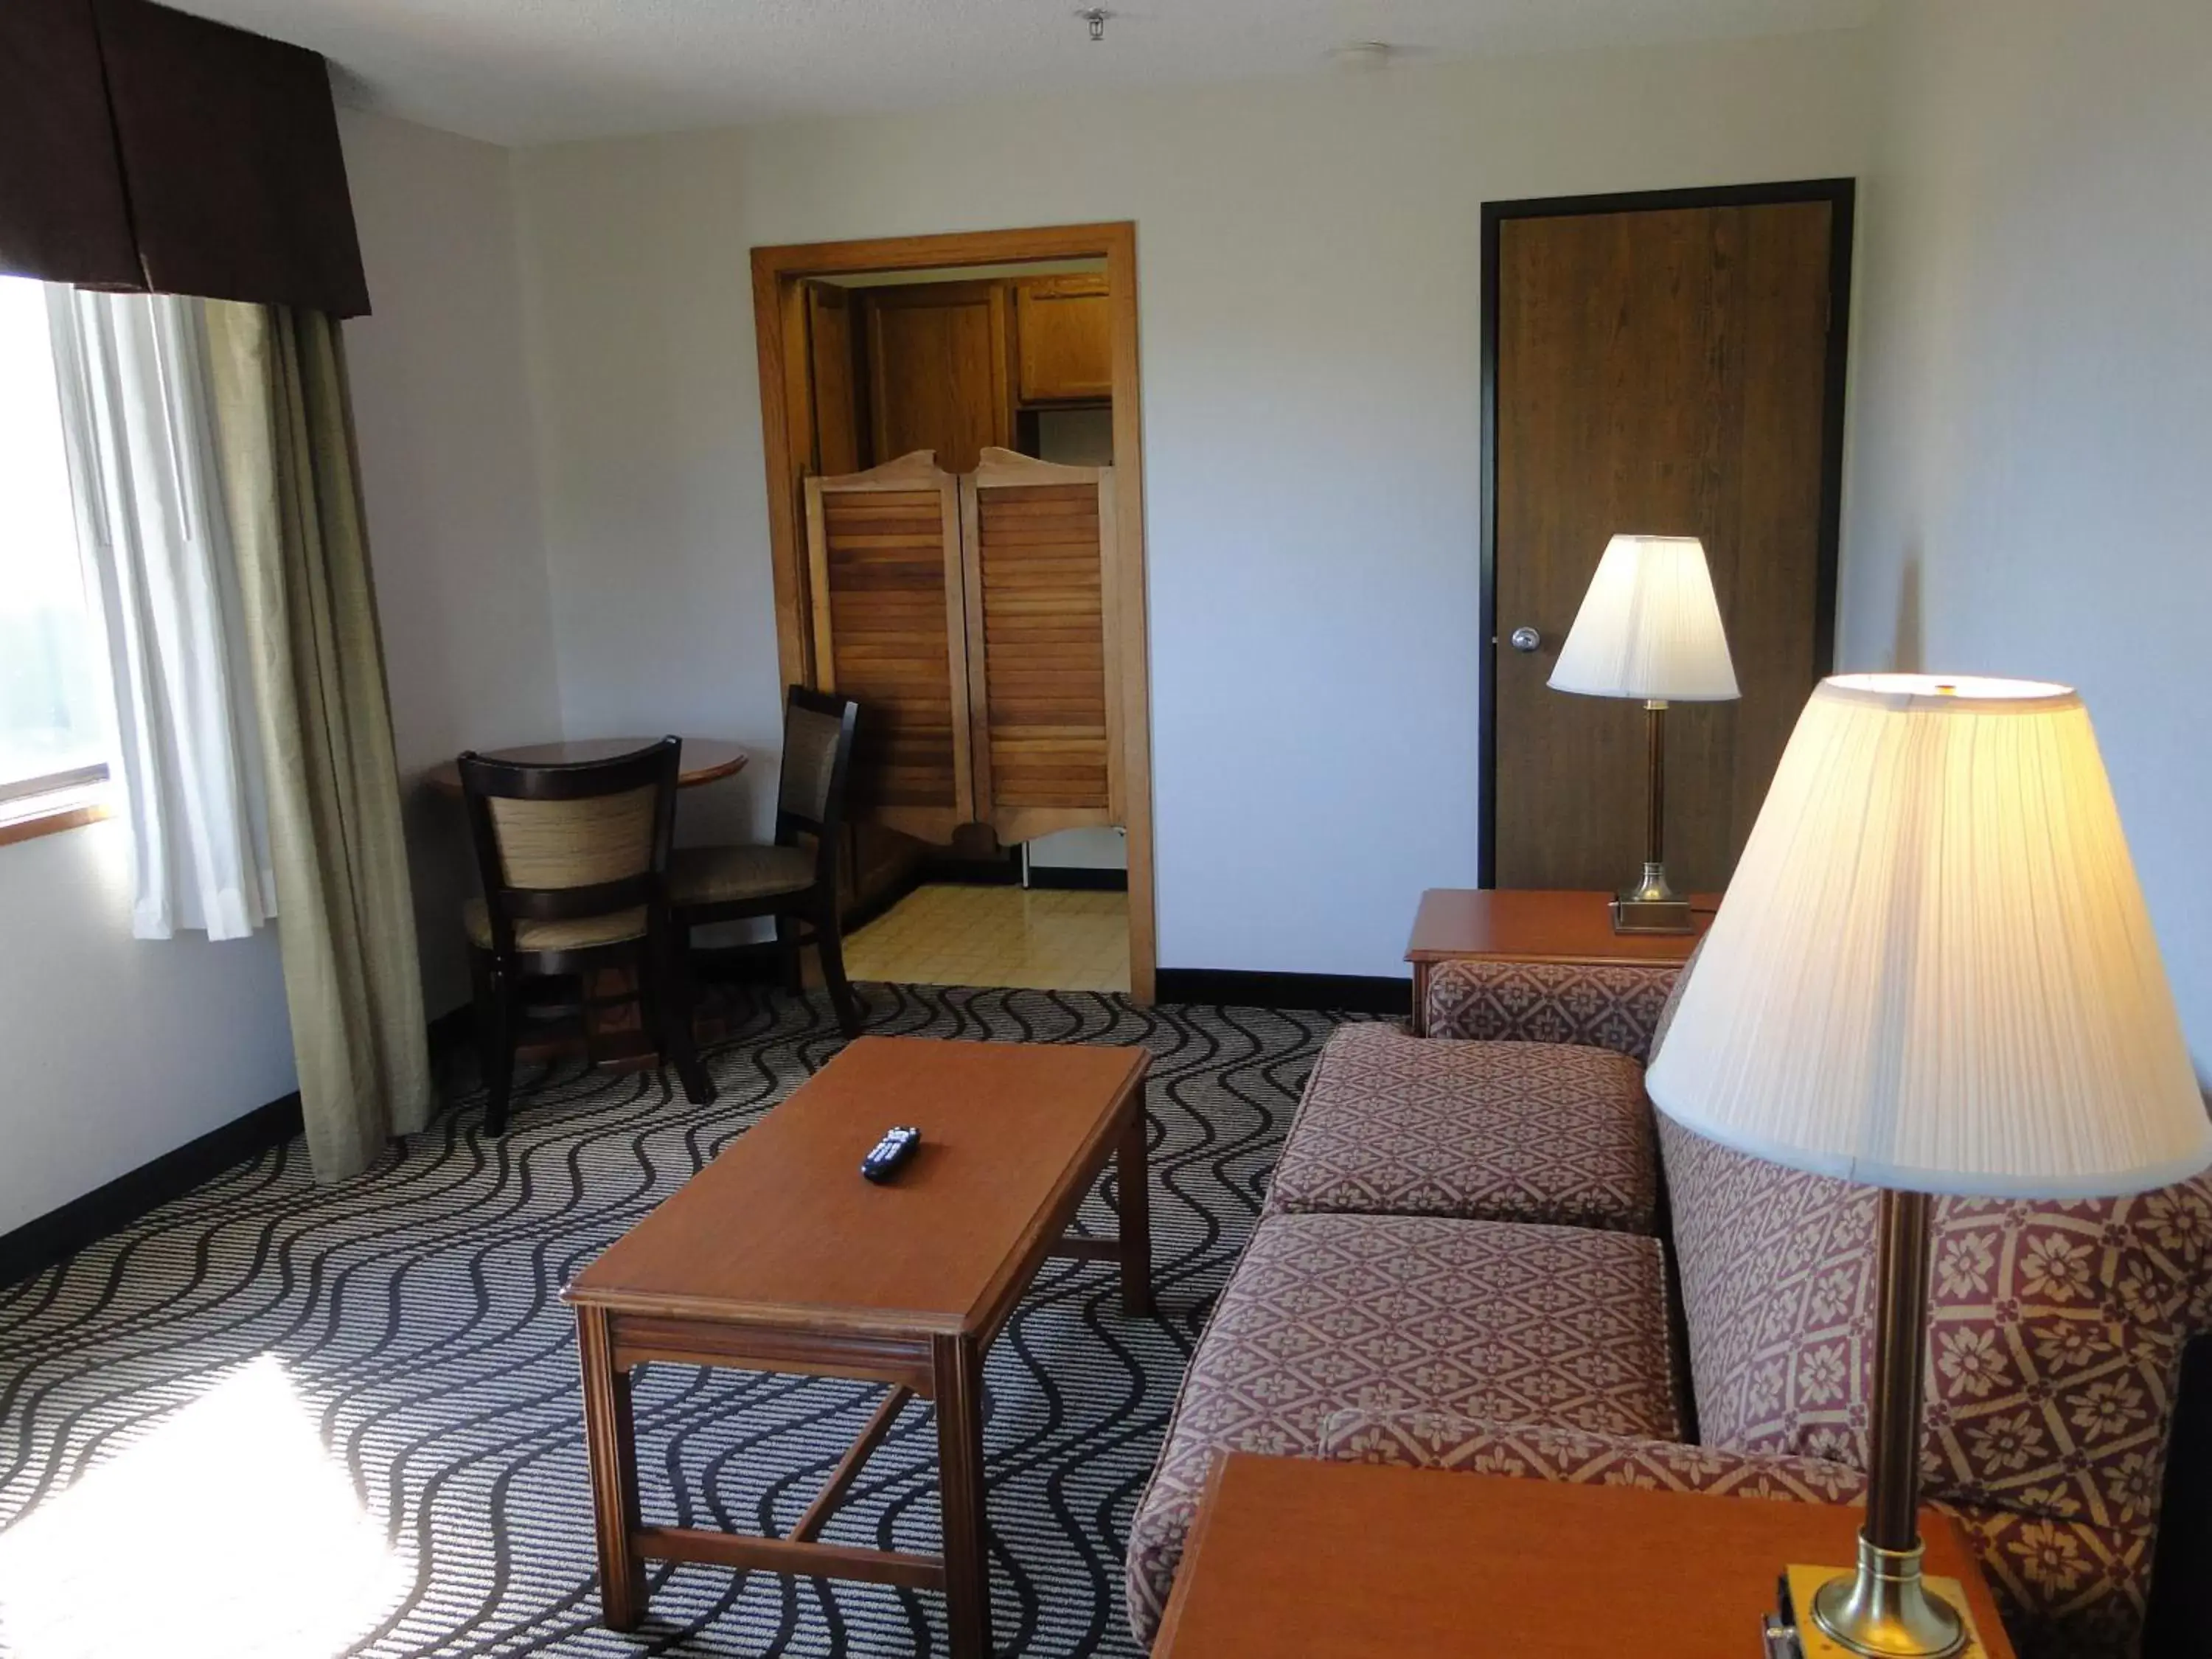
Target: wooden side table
1512	925
705	760
1364	1561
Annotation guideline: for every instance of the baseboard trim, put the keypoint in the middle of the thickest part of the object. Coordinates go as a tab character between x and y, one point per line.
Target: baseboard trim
762	962
59	1234
1077	878
450	1030
1005	871
1357	993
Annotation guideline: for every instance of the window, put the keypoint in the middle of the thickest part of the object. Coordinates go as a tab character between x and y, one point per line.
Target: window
53	721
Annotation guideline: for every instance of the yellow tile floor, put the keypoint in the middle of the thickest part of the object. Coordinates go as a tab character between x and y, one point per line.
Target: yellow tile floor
1047	940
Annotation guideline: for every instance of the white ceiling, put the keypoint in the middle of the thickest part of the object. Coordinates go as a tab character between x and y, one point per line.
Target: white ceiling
521	71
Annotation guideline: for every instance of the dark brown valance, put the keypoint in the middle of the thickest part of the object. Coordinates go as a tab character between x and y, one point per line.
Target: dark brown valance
140	148
63	213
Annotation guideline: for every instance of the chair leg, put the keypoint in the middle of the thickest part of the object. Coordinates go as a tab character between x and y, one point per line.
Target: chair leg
664	988
791	939
498	1035
829	940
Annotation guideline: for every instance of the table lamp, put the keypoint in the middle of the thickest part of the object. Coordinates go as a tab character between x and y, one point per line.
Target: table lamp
1649	628
1933	973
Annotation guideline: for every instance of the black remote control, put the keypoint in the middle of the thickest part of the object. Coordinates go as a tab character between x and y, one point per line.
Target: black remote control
896	1147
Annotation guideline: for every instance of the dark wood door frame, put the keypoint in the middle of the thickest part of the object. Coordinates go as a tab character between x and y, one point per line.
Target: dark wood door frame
1841	196
777	274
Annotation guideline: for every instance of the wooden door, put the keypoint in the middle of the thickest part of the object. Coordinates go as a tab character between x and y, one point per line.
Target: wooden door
938	370
1043	641
1661	371
889	629
832	356
1064	326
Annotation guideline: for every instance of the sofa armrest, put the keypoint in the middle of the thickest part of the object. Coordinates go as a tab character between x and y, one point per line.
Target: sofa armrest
1613	1005
1438	1441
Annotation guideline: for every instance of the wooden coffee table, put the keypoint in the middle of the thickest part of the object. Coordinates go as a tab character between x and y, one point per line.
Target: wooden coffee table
778	1256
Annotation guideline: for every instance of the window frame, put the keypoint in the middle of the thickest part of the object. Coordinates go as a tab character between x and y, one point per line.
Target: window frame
54	801
68	797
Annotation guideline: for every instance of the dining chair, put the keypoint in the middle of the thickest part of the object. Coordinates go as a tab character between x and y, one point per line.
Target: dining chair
795	884
573	859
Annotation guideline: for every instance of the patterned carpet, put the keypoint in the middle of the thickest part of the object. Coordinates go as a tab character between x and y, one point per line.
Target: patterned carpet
302	1422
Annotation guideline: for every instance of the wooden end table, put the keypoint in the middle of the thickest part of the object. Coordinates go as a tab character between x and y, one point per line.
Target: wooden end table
1457	924
1364	1561
778	1256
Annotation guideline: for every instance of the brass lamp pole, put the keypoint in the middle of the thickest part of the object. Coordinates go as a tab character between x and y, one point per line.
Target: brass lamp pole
1650	905
1884	1608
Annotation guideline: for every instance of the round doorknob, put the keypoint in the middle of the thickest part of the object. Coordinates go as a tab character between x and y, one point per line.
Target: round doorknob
1526	639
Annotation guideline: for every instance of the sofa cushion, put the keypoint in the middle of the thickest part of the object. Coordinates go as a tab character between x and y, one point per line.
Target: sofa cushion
1400	1124
1513	1323
1600	1005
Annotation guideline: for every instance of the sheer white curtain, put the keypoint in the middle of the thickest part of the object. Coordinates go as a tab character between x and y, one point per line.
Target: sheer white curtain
137	418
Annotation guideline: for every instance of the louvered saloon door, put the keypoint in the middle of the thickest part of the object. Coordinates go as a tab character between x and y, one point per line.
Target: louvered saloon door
1043	689
883	566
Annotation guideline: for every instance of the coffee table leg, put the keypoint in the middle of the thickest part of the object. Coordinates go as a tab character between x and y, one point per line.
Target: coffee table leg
611	1438
957	1363
1136	1216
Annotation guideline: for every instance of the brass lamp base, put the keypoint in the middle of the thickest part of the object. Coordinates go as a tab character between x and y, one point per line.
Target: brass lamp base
1643	916
1651	906
1837	1618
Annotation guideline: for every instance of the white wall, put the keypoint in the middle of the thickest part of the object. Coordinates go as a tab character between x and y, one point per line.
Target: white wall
638	292
2035	399
118	1049
447	453
1308	257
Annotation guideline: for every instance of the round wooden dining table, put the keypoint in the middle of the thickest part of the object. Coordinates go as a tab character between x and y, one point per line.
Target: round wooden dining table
704	760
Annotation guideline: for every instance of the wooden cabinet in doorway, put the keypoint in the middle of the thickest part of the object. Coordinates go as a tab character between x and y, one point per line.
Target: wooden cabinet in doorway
1064	331
940	370
976	620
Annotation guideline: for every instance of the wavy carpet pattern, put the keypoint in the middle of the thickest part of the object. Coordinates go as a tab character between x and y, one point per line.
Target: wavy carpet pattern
415	1314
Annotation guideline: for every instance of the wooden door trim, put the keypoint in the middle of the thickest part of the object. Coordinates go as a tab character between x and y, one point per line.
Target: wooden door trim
778	269
1841	196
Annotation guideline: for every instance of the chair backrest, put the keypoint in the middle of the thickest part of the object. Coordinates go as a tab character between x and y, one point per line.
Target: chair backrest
817	759
564	841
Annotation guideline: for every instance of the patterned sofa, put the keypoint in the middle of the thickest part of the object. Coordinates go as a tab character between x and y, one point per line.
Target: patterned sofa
1462	1263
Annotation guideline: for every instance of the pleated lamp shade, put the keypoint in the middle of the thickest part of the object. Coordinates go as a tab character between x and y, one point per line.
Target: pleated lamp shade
1648	627
1932	969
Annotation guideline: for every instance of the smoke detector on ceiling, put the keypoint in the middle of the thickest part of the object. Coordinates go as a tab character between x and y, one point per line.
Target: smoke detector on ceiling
1363	57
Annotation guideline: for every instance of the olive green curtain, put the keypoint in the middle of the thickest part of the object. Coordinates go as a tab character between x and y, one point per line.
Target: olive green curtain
345	919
